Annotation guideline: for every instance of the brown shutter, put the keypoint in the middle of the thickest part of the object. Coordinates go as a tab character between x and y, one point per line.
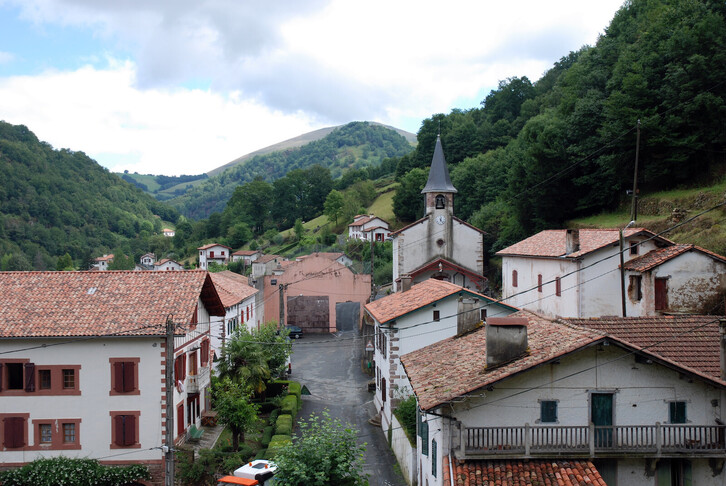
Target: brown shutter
184	367
1	377
128	376
118	377
29	377
118	425
130	430
14	432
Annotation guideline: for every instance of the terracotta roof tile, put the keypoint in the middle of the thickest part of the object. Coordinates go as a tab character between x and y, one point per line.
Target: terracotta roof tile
456	366
232	287
245	252
420	295
659	256
555	472
688	341
552	243
267	258
54	304
212	245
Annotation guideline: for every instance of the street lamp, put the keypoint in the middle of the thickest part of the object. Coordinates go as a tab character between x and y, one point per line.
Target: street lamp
622	269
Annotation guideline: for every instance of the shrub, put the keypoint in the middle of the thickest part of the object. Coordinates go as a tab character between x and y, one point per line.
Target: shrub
283	425
273	416
65	470
289	405
267	435
406	414
277	442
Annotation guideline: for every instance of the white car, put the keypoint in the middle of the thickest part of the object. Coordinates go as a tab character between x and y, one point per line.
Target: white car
260	469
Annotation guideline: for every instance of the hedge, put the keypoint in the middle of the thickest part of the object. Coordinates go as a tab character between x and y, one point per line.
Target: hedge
267	435
293	388
289	405
276	443
283	426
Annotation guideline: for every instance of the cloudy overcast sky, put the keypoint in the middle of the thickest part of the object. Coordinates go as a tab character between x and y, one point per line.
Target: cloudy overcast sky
184	86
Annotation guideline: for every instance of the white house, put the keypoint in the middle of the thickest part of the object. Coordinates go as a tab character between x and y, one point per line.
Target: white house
413	318
169	233
335	256
526	397
573	273
102	262
439	245
82	363
368	227
238	298
213	252
247	256
166	264
148	259
265	264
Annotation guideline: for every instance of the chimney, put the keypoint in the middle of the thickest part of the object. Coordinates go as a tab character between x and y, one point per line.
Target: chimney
572	241
468	315
722	346
405	282
506	340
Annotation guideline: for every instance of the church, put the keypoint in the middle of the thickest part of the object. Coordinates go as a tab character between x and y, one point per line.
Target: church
439	245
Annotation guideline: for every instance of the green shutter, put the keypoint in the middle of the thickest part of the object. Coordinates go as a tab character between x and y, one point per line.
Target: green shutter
548	411
433	457
425	438
677	412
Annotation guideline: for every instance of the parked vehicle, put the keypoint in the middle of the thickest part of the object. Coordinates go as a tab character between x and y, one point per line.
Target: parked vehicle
295	332
259	472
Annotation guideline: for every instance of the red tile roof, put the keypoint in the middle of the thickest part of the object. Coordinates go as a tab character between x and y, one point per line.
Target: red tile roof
688	341
420	295
105	258
212	245
245	252
657	257
553	243
55	304
267	258
557	472
232	287
455	366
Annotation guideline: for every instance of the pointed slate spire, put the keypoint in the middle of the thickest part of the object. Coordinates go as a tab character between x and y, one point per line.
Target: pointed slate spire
439	180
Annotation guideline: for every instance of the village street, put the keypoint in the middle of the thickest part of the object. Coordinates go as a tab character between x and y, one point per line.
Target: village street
329	365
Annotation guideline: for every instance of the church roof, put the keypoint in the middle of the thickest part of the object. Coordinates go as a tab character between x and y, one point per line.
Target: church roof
439	180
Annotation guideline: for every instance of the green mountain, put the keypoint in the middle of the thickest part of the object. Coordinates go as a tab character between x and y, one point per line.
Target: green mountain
54	202
356	145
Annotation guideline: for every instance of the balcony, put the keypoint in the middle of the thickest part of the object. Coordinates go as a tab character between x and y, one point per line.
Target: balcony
591	441
196	383
190	334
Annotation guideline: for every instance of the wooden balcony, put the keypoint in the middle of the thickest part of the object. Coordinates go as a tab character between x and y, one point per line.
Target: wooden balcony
197	382
591	441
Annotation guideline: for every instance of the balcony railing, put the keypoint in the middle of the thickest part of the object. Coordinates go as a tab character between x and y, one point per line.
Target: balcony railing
189	333
196	383
592	441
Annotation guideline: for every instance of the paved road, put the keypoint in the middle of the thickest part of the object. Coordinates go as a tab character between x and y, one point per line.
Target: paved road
329	366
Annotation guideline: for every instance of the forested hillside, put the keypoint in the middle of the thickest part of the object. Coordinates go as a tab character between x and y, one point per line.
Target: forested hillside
58	202
536	154
356	145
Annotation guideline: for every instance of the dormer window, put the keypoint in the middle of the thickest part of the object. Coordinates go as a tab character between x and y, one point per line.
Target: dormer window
440	202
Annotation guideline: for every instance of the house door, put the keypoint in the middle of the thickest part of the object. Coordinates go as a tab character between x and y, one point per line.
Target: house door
661	293
180	425
601	413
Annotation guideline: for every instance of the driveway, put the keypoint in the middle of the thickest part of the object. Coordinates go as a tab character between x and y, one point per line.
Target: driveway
329	366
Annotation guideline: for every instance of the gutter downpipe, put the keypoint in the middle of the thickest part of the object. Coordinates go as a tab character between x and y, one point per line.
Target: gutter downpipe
622	268
451	470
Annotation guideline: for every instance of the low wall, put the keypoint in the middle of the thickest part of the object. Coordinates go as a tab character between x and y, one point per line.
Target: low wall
404	452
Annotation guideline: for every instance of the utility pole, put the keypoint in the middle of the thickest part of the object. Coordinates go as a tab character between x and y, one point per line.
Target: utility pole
373	286
282	307
169	397
634	209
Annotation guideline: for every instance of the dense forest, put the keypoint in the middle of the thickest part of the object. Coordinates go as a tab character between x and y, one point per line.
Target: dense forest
357	145
57	203
536	154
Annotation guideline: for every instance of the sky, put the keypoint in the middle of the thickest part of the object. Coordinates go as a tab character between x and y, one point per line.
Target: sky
184	86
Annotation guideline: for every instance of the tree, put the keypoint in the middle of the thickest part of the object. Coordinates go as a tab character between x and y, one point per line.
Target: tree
327	452
277	347
299	229
234	408
238	235
244	361
64	263
334	206
121	262
408	201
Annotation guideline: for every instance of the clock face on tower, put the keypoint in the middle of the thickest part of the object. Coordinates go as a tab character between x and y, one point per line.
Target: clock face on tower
440	219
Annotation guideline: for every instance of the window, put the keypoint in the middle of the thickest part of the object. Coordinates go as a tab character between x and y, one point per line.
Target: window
661	293
14	432
383	389
180	368
633	247
548	411
539	283
205	352
44	379
677	412
124	376
437	315
674	472
635	290
125	430
483	315
46	433
211	254
69	433
558	286
69	379
433	457
15	376
514	278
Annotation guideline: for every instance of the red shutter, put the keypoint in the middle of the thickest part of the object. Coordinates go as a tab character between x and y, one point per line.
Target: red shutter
539	283
29	377
128	376
14	432
118	425
661	294
1	376
205	352
184	367
129	430
558	286
514	278
118	377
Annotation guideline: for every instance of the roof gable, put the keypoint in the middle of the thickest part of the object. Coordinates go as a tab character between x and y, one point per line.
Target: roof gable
232	287
55	304
657	257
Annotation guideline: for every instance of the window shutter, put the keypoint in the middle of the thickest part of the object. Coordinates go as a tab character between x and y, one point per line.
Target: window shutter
425	438
118	377
29	377
1	377
14	432
129	430
184	367
128	376
433	458
118	425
